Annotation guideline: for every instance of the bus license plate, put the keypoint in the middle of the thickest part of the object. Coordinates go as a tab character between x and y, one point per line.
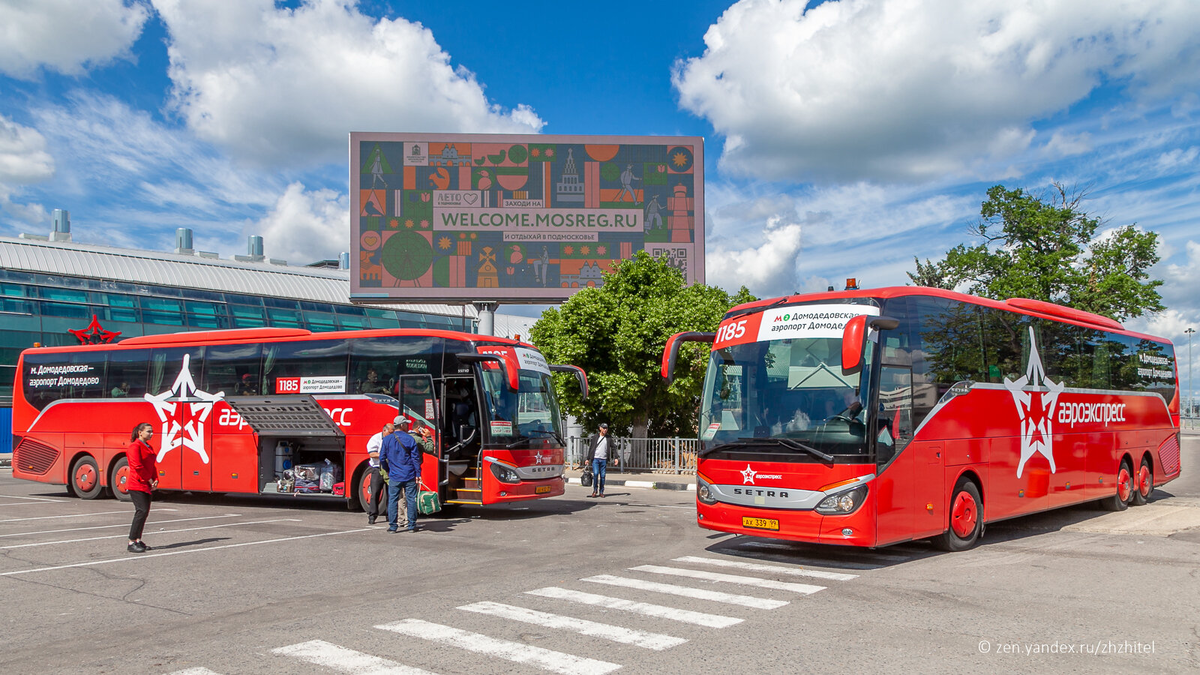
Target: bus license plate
544	489
760	523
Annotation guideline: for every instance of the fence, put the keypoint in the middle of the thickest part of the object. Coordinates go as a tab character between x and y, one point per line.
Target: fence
660	455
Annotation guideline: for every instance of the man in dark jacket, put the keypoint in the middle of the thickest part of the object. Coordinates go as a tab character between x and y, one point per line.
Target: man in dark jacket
401	456
599	452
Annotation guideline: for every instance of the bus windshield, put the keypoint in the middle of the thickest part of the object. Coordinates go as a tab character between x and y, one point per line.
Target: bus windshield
784	397
529	413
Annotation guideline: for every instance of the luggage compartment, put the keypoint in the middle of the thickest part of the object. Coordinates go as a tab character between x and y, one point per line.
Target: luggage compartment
298	445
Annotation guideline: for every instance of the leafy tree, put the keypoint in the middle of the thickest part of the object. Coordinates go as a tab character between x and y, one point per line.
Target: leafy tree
617	332
1045	248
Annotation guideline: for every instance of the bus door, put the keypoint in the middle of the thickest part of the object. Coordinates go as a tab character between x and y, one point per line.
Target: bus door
461	436
898	493
418	402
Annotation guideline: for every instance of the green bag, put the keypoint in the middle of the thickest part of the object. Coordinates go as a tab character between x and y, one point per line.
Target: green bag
428	502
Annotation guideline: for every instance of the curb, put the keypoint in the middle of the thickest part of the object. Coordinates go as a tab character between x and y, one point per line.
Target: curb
650	485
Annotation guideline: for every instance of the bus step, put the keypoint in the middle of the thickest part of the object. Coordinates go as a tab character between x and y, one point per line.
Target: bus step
471	483
465	501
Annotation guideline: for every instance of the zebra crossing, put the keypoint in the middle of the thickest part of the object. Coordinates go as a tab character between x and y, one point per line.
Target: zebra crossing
773	587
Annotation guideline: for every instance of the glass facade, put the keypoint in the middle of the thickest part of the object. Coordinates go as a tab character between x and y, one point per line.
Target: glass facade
43	308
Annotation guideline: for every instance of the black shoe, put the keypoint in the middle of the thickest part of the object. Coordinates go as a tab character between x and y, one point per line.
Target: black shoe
136	547
371	520
391	531
145	546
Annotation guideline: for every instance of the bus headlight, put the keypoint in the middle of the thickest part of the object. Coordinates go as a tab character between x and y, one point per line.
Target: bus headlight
703	492
504	474
843	502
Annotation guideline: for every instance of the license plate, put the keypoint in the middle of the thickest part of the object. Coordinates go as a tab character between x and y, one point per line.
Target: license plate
544	489
760	523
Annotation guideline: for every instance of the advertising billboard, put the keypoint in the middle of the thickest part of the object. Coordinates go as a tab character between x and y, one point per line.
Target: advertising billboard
517	218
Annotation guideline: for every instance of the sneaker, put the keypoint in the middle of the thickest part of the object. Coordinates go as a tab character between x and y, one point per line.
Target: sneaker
371	520
136	547
145	546
392	530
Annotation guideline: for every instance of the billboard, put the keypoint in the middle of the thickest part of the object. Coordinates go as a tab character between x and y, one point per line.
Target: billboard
517	218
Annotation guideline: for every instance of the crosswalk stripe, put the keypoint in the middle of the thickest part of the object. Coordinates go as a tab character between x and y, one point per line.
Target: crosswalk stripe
687	592
643	608
629	636
321	653
758	567
557	662
194	671
730	579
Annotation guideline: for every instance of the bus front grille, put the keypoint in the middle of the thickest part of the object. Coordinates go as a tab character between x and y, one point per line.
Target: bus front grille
33	457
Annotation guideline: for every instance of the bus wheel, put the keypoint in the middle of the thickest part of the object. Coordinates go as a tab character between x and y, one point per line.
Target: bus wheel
85	478
363	490
1144	483
1120	500
966	522
120	474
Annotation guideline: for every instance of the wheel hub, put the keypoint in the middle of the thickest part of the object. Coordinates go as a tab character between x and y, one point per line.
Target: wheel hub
1124	484
964	515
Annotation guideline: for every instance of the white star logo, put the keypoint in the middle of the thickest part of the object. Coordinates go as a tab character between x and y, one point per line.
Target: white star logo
748	476
538	458
198	403
1035	408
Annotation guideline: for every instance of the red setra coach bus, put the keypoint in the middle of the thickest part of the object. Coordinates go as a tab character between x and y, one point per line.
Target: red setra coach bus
871	417
234	410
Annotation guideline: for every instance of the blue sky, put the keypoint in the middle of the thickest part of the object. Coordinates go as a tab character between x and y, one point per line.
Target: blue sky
842	138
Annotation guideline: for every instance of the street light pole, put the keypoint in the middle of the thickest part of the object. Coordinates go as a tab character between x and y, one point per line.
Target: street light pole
1191	396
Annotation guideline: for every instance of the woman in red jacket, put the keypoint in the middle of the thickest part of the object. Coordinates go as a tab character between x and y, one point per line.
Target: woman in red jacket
141	479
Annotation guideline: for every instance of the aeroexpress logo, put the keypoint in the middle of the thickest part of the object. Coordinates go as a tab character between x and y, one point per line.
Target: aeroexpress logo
180	429
1035	408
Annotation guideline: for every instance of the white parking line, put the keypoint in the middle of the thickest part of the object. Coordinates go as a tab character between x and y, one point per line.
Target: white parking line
758	567
628	636
23	504
643	608
557	662
118	536
107	527
730	579
328	655
196	550
195	671
127	512
687	592
34	499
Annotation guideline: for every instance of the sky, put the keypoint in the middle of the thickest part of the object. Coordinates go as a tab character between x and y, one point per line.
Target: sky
844	138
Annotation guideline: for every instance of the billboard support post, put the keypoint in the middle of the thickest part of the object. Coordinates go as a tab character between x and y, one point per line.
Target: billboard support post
487	316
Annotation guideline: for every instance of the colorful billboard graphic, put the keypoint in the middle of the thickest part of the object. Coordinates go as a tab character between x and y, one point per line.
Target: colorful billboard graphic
463	217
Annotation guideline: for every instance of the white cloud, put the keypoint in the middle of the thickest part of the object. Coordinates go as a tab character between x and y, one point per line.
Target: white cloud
917	89
271	84
768	269
23	160
65	35
306	225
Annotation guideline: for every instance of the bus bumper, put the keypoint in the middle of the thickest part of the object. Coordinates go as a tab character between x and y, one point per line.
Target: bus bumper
530	489
855	529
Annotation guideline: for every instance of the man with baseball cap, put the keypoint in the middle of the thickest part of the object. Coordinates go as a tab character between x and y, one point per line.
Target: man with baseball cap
598	453
401	456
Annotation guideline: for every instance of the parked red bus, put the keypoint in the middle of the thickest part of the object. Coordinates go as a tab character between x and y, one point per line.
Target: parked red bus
259	410
871	417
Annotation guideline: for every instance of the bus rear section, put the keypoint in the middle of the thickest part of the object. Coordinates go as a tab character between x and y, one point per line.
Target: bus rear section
871	418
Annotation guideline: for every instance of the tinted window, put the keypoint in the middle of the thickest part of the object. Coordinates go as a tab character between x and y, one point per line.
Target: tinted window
127	373
377	363
166	366
50	377
233	369
308	367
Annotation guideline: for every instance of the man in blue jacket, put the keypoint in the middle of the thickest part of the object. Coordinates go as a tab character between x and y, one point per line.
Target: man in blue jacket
401	456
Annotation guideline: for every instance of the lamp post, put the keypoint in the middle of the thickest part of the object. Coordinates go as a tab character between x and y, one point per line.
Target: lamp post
1191	402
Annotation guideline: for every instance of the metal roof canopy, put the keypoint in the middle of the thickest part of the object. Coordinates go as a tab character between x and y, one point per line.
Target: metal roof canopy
285	416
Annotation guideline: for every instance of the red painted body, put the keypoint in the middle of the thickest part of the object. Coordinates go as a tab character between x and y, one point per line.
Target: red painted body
70	429
975	435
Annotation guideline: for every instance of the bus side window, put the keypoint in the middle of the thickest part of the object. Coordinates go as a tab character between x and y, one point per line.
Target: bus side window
127	372
166	365
232	369
306	358
377	363
895	406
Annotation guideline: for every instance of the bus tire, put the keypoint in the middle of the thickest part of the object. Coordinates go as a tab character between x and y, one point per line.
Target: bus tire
85	478
1143	483
116	482
966	521
362	491
1120	500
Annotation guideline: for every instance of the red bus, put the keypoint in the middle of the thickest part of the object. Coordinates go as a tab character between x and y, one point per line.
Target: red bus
871	417
271	409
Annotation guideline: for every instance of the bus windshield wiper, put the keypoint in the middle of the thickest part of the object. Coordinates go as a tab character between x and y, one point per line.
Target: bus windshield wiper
752	310
785	442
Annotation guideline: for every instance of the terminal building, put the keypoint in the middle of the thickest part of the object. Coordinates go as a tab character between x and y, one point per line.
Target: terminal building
54	291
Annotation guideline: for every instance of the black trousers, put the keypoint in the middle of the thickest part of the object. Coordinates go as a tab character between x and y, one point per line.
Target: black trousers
141	502
377	491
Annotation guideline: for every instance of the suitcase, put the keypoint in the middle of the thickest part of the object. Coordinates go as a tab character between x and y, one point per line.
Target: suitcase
428	502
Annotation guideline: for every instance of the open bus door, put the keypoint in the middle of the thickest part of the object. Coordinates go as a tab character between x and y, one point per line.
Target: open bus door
418	402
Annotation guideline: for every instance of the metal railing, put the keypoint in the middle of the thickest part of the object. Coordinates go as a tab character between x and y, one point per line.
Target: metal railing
658	455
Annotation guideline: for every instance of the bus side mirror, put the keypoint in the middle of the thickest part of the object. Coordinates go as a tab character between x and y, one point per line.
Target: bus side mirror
852	344
510	376
580	376
671	351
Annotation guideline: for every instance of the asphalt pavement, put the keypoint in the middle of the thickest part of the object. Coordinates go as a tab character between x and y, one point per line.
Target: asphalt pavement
578	585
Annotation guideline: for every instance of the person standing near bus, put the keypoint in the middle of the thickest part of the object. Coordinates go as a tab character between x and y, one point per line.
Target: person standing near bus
139	481
401	456
598	453
375	492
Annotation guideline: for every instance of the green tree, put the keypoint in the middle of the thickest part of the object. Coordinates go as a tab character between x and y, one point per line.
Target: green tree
1045	248
617	332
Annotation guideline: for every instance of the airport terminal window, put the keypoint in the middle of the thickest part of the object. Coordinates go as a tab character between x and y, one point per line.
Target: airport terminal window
320	321
64	310
247	317
233	369
162	311
285	318
121	314
63	295
17	291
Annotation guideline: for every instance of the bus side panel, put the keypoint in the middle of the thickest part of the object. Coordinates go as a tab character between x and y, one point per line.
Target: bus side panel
894	499
1069	484
234	462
